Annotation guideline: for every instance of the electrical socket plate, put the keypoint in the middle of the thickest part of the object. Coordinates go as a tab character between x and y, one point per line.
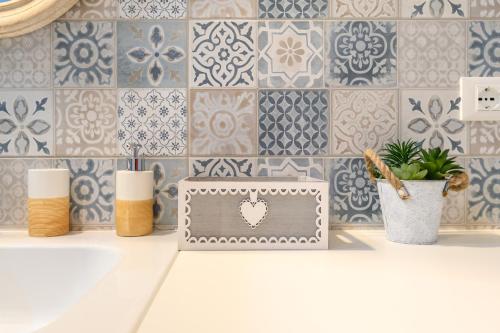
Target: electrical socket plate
480	98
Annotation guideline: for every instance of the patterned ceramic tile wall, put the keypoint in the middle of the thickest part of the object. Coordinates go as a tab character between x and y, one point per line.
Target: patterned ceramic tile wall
246	88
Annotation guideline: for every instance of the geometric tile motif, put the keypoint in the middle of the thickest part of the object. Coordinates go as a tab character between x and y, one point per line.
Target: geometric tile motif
431	54
26	125
293	8
223	8
222	167
25	60
484	190
153	118
293	122
430	117
223	122
361	53
432	9
85	122
484	8
152	54
83	54
484	38
291	167
223	53
92	9
152	9
365	8
362	119
485	137
290	54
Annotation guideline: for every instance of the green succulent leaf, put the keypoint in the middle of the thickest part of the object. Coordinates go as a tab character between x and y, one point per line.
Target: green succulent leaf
400	152
409	172
438	164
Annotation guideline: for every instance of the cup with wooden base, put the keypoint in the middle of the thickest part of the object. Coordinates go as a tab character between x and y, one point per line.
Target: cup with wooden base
48	202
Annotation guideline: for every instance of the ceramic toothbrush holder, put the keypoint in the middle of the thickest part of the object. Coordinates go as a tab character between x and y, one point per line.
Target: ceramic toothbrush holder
134	203
48	202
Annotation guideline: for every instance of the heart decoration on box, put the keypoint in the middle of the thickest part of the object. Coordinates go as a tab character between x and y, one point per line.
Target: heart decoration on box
253	211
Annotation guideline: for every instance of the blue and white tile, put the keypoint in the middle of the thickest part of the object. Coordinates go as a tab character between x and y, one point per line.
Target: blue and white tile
361	53
92	10
152	9
222	167
484	8
152	54
291	167
92	190
290	54
484	191
293	8
483	41
353	198
364	8
84	54
430	117
485	138
435	9
26	123
293	122
223	53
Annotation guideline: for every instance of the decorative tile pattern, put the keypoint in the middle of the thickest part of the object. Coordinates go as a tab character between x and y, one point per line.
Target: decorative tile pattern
361	53
484	190
223	122
85	122
431	54
26	127
434	9
293	8
92	190
152	54
152	9
83	54
364	8
362	119
484	38
484	8
25	60
14	190
353	199
291	167
290	54
166	173
485	137
153	118
223	54
223	8
454	204
430	117
92	10
222	167
293	122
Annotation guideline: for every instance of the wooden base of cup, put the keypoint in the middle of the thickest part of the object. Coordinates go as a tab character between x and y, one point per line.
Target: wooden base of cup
48	217
134	218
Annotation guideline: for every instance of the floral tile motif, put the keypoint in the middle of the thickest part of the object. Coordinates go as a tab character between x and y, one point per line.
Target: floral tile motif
363	119
223	54
85	122
152	9
25	60
154	119
92	190
14	190
223	122
83	54
293	122
431	53
484	190
166	173
485	137
430	117
223	9
92	10
353	198
484	8
434	9
152	54
26	127
293	8
291	167
361	53
484	38
290	54
222	167
364	8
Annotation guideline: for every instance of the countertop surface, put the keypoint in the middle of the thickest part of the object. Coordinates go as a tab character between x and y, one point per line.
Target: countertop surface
362	284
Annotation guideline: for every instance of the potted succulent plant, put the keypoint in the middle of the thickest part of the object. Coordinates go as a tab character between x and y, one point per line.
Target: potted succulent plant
412	182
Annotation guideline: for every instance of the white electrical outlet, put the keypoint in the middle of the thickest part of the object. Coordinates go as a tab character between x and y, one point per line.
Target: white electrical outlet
480	98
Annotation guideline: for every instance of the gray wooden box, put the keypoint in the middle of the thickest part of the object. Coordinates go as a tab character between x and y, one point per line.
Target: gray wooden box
237	213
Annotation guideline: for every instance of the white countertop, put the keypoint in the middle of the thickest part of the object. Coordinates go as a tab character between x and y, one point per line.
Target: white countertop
364	284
